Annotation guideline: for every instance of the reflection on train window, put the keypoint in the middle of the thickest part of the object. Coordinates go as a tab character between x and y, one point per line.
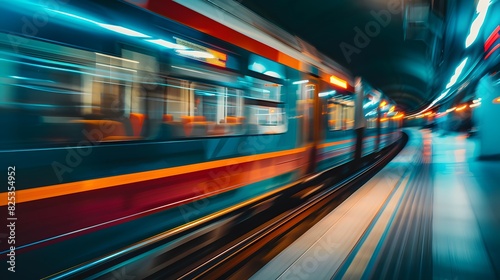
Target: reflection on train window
334	116
264	107
69	95
266	120
371	123
193	109
264	90
348	117
340	114
55	93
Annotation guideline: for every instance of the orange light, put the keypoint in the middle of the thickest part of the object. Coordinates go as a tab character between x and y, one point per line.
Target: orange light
383	119
461	108
496	100
398	116
338	81
383	103
392	109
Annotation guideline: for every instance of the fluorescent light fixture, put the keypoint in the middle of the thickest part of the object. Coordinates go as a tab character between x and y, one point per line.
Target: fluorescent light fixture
257	67
115	28
338	81
327	93
123	30
481	9
458	71
167	44
272	74
368	104
300	82
196	54
475	105
482	6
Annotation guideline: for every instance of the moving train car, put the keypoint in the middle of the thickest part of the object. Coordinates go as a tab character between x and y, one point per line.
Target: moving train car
121	123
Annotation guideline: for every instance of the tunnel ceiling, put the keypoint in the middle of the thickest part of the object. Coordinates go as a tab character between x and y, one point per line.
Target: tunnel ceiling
407	57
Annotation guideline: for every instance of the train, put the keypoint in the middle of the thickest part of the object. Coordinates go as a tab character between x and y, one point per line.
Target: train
120	121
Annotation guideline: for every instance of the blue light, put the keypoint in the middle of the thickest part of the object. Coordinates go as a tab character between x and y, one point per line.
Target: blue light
73	16
482	9
123	30
458	71
300	82
272	74
327	93
115	28
195	54
167	44
257	67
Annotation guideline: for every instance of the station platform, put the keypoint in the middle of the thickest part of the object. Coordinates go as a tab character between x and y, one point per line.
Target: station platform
431	213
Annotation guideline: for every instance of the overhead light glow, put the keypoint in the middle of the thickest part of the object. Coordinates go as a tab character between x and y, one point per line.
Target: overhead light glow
458	71
496	100
167	44
327	93
197	54
481	9
461	108
272	74
398	116
115	28
123	30
338	81
300	82
73	16
257	67
475	105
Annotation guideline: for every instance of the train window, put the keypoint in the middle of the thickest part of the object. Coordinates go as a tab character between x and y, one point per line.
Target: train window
265	119
194	109
371	123
348	117
263	90
340	110
46	87
334	116
264	107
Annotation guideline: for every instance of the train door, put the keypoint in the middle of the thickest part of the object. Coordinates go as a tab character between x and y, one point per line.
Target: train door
305	114
308	130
